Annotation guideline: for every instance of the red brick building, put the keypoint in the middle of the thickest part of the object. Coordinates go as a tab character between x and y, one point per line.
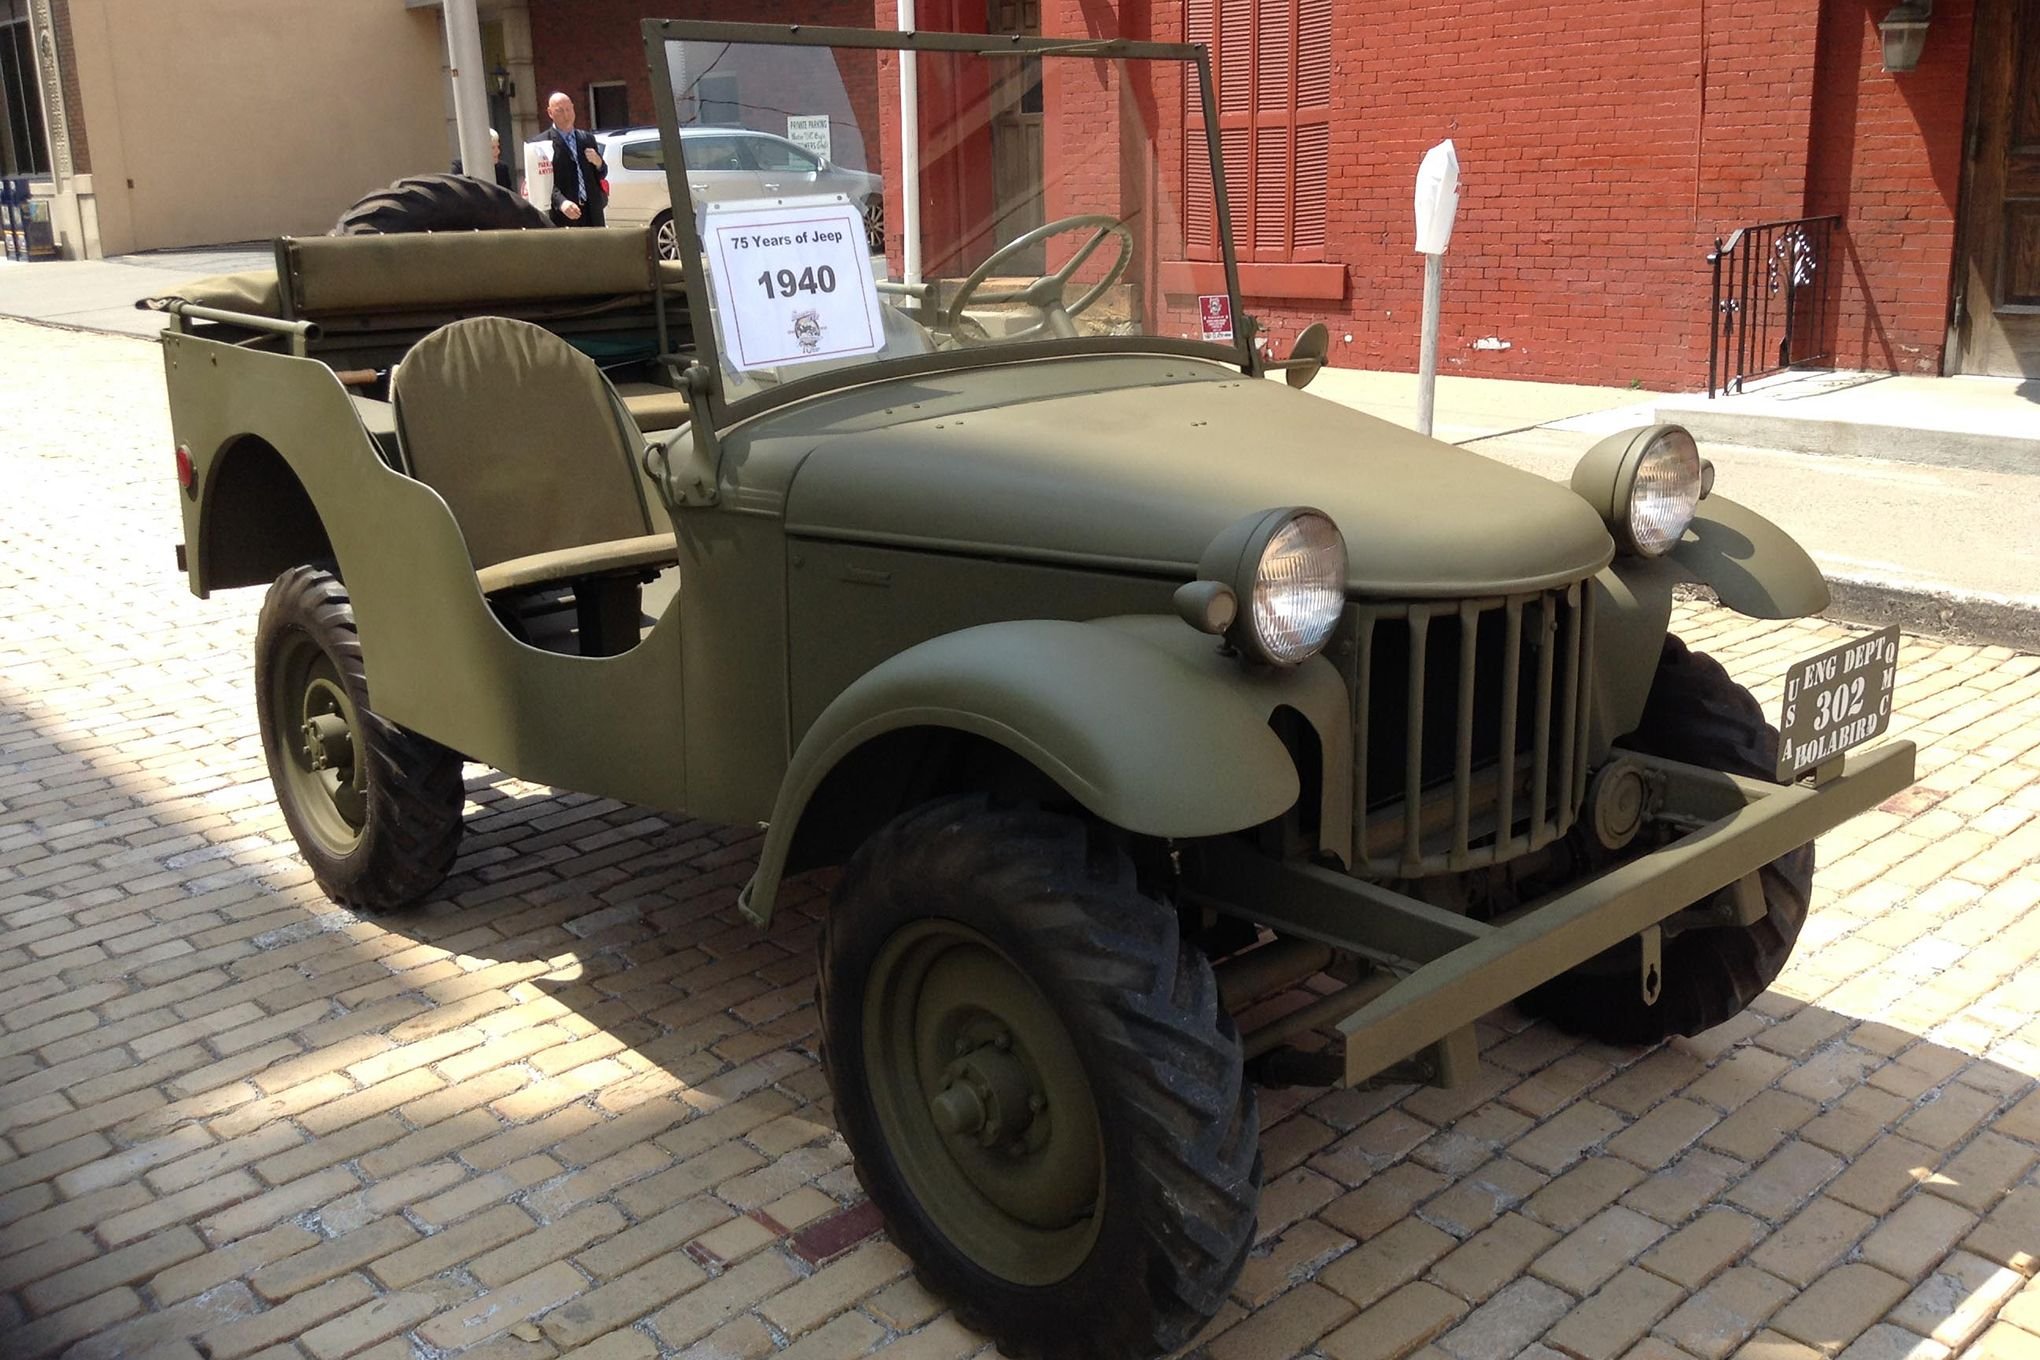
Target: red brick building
1606	146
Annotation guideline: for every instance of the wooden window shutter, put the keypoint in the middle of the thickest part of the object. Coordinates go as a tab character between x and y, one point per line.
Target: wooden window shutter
1313	124
1200	203
1272	72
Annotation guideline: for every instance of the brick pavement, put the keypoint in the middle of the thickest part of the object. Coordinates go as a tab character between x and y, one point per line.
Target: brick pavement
574	1105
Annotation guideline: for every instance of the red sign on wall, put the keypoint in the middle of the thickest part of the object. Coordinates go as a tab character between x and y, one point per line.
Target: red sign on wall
1215	311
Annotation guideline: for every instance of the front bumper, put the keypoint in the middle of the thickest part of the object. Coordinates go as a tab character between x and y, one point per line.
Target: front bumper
1438	971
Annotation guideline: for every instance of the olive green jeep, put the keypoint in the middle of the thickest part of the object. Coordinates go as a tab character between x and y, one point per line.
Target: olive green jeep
1129	687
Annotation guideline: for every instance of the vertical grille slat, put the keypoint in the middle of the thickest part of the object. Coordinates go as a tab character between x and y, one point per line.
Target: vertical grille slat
1413	736
1512	667
1540	763
1363	682
1585	686
1447	718
1570	725
1462	754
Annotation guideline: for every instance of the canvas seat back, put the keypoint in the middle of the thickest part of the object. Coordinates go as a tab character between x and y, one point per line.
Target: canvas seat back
522	437
331	276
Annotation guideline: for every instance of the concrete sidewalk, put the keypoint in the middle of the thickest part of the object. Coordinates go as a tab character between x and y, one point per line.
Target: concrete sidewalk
100	295
1936	533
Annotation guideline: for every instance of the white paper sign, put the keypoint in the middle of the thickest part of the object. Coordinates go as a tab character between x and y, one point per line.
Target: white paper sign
809	131
538	172
1437	198
792	280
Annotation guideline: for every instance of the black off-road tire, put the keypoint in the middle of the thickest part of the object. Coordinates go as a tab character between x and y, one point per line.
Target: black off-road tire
1177	1121
1698	715
411	795
439	203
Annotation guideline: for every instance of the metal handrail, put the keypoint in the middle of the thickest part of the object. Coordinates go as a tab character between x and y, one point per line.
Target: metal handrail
1773	299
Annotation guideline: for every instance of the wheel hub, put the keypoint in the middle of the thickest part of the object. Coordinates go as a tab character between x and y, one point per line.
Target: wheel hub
329	742
321	755
987	1095
987	1106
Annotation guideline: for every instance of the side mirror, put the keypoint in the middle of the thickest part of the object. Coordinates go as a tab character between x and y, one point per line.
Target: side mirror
1303	363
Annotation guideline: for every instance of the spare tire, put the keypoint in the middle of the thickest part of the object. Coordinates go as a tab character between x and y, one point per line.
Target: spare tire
439	203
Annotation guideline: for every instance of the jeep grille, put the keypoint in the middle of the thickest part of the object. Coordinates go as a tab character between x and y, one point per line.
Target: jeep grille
1469	727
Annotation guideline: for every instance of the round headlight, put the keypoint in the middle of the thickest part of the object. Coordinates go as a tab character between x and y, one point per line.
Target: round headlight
1665	494
1646	484
1299	589
1287	568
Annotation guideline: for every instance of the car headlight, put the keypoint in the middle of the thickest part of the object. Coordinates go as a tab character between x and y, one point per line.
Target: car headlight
1286	572
1646	484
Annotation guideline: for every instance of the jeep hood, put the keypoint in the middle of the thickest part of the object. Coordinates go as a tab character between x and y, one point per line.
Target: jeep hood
1141	478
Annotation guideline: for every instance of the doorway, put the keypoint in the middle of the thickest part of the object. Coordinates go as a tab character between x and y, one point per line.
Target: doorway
1997	322
24	149
1015	104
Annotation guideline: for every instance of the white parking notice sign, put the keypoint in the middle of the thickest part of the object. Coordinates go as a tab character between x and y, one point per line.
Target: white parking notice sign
792	280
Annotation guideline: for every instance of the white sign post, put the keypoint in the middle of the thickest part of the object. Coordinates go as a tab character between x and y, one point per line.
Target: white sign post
809	132
1437	205
792	281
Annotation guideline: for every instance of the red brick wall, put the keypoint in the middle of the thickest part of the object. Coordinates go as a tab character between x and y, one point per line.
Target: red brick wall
1605	145
1887	156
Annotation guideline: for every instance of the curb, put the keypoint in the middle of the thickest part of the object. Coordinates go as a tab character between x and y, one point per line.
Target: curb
1961	616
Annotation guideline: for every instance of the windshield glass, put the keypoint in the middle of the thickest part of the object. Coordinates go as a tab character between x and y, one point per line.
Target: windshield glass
858	205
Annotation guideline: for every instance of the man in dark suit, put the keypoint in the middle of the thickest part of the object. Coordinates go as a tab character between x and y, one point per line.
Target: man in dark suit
578	169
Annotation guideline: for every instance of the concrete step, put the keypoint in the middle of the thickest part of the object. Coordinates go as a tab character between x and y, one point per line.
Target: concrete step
1979	424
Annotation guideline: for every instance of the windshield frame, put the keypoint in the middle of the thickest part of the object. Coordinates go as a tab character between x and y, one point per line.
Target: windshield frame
712	402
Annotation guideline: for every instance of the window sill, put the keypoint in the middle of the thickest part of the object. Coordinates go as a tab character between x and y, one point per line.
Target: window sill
1319	281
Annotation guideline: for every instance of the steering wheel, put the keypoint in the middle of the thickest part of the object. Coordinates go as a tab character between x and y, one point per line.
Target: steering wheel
1045	294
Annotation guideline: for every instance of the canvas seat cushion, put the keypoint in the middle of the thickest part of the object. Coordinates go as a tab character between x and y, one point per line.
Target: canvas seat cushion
651	552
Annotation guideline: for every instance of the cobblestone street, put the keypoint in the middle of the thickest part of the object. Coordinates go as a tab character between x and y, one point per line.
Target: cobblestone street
574	1106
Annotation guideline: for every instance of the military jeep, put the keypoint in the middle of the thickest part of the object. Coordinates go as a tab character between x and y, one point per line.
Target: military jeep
1129	684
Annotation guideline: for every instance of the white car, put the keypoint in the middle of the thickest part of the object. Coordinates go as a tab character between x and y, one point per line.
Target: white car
725	162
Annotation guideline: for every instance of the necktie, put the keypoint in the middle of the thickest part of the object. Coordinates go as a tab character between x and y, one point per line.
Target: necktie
574	158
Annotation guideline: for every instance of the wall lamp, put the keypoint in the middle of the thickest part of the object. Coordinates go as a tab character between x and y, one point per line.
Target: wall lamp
500	82
1904	31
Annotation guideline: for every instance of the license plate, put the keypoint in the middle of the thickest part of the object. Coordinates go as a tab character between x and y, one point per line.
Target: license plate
1836	700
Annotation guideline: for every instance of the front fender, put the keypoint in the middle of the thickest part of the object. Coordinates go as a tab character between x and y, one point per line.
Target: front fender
1753	565
1141	720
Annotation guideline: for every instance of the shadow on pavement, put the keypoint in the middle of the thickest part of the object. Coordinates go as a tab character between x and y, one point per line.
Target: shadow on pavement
202	1058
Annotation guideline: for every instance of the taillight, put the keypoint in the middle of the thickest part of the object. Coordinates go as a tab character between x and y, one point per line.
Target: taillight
187	474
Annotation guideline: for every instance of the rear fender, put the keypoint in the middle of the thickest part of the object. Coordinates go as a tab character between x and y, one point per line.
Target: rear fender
1142	721
438	660
255	520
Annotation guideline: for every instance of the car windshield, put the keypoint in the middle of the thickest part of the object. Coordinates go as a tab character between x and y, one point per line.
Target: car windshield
854	205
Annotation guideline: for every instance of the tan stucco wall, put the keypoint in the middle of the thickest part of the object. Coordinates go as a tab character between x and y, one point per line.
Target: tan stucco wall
234	120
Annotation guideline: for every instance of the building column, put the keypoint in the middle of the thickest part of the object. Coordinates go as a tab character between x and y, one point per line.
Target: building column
72	211
517	60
